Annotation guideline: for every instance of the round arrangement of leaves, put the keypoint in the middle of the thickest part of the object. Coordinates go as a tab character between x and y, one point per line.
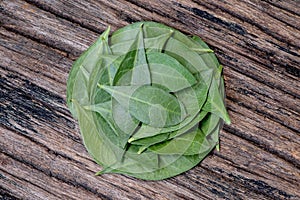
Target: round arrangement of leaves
149	100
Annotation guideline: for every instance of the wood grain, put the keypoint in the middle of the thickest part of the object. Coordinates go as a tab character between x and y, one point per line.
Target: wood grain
257	42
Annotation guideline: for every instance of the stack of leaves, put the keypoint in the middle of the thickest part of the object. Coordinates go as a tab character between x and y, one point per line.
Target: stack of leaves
149	100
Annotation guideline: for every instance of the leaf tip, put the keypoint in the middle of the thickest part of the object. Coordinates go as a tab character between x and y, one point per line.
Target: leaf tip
201	50
74	101
99	173
218	147
104	36
130	140
220	68
141	150
105	170
100	86
227	119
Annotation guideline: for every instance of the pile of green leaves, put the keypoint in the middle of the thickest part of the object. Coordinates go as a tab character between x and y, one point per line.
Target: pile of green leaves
149	100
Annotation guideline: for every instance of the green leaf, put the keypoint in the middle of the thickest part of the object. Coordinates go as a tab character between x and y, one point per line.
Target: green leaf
195	61
191	143
104	109
215	103
95	72
152	44
146	139
150	105
96	145
155	107
168	72
142	163
120	93
189	126
79	75
156	44
146	142
123	119
192	99
110	64
135	62
172	166
209	58
111	130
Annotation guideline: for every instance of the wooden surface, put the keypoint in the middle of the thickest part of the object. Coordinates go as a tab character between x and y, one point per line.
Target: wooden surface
257	42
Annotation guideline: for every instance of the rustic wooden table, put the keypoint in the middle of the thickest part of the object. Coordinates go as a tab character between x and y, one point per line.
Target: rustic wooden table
257	42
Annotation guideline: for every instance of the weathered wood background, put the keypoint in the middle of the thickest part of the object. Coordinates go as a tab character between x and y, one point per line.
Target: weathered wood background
258	42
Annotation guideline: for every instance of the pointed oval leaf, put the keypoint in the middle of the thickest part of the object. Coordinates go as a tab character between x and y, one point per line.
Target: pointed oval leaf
155	107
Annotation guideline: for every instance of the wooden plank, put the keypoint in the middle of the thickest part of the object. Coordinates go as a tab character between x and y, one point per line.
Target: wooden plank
257	42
